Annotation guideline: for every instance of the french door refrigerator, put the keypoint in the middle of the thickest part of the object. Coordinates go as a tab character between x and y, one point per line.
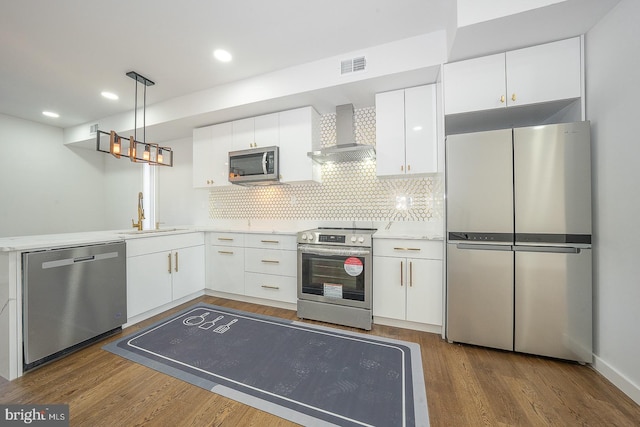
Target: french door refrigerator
519	240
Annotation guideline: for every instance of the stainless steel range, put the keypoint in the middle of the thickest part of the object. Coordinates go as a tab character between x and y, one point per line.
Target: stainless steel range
334	276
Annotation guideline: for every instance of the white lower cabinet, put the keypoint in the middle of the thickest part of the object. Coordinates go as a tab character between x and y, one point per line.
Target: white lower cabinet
407	280
225	262
267	286
254	265
270	267
148	282
163	269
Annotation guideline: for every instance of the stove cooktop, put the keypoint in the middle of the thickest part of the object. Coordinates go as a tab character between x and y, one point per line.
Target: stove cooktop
361	237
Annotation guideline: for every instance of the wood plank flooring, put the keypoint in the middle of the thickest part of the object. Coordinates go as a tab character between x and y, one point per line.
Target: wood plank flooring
466	386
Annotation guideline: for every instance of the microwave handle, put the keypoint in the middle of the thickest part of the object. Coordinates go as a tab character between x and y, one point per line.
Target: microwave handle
264	162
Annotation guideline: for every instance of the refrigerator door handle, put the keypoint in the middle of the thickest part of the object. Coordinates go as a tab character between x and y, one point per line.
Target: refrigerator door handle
548	249
505	248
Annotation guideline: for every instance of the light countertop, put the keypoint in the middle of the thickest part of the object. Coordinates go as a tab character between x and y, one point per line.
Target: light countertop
50	241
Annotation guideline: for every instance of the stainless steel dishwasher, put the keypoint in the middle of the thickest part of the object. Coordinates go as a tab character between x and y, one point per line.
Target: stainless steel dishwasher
71	297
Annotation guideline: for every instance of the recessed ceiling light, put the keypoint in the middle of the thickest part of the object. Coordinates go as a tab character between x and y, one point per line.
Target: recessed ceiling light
109	95
51	114
222	55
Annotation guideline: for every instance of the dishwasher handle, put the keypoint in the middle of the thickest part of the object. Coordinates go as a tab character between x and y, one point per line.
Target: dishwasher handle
77	260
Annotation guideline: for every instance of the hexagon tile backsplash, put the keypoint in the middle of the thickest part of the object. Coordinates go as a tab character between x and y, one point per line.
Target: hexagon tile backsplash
349	191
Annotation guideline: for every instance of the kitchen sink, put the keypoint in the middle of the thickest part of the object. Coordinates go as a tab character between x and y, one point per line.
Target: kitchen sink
161	230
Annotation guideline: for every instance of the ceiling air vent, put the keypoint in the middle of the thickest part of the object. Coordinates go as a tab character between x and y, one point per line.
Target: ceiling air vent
353	65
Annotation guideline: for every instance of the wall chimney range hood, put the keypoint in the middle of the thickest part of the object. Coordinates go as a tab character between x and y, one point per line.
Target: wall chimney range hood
346	149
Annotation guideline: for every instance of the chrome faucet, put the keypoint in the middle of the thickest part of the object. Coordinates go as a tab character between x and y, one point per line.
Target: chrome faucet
140	213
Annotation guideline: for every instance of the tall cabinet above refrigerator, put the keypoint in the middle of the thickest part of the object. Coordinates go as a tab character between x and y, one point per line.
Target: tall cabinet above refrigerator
519	240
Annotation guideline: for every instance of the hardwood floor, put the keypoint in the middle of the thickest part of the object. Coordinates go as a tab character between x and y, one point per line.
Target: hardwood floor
466	386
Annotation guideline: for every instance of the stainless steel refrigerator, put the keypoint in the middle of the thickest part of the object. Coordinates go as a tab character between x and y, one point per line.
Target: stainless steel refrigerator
519	274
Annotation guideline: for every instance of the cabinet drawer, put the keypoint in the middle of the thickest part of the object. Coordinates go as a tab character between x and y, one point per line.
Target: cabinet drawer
426	249
226	239
270	241
148	245
269	286
271	261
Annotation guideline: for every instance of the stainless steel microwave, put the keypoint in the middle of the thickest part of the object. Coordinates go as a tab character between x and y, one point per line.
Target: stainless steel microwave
256	166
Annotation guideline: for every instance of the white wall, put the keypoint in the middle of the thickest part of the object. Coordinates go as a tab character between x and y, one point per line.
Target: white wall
121	183
613	91
46	187
474	11
178	203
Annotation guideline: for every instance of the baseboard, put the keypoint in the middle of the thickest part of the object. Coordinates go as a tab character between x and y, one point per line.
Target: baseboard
424	327
619	380
252	300
155	311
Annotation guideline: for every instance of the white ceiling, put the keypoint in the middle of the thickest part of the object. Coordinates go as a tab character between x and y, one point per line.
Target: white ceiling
59	55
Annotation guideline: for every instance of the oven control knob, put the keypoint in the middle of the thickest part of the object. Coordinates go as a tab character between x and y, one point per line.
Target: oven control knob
361	239
353	239
304	236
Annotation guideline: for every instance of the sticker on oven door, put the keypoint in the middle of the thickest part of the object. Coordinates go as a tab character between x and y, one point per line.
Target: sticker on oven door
353	266
332	290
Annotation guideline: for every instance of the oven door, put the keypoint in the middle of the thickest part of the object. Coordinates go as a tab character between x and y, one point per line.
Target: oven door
337	275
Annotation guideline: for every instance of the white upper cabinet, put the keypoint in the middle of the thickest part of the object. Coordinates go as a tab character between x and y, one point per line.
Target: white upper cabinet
260	131
296	132
474	85
211	146
299	134
526	76
544	73
406	132
421	148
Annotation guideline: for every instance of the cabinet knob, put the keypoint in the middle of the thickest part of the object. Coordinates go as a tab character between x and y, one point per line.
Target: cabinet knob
402	168
513	97
502	99
408	168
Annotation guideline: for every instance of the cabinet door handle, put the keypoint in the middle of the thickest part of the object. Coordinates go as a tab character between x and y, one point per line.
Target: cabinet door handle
410	273
270	287
401	168
169	268
270	241
406	249
176	262
513	97
227	239
226	252
502	99
401	273
408	168
270	261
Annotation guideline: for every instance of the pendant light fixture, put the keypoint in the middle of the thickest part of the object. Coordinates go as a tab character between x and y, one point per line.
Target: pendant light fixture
137	151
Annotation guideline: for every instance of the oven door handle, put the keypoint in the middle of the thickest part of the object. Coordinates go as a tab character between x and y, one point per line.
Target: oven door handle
323	250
